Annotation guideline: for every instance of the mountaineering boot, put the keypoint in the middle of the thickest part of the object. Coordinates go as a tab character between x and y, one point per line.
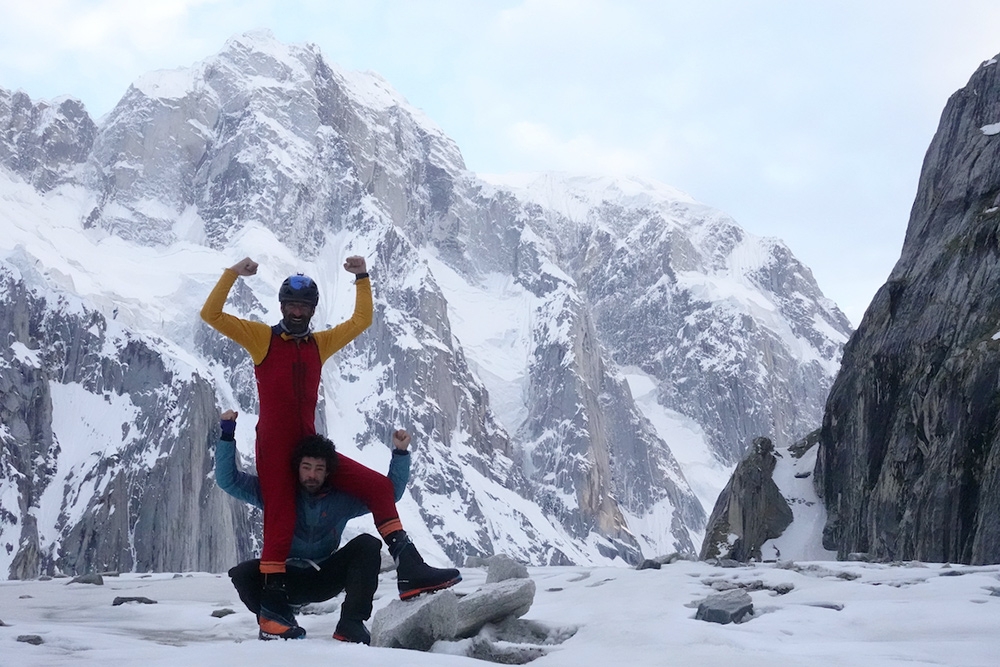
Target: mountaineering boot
276	618
294	632
413	575
352	631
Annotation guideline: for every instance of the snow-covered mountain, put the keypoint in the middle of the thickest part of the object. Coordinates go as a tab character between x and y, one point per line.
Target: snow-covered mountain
581	359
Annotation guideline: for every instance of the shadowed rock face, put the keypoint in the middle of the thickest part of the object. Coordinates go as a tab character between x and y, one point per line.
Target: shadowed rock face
909	466
750	510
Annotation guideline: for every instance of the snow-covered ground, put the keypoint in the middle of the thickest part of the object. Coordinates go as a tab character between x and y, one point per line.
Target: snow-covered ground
906	614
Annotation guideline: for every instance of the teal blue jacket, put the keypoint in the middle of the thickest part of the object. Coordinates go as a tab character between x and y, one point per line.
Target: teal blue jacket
321	517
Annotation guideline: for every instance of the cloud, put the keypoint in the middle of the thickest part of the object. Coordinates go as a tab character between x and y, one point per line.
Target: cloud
541	149
54	28
95	49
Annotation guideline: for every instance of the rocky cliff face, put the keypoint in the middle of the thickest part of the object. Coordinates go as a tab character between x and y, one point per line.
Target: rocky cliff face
43	142
662	287
530	441
910	462
106	447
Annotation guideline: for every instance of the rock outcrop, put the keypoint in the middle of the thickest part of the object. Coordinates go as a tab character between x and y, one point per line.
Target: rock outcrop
44	142
910	461
750	510
484	624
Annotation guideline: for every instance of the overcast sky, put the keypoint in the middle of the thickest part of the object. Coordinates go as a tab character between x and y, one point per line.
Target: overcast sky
804	120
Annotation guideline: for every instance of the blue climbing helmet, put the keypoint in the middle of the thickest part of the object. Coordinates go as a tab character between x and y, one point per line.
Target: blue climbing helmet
299	289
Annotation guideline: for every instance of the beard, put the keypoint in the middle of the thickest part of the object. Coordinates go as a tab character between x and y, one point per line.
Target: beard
296	325
312	486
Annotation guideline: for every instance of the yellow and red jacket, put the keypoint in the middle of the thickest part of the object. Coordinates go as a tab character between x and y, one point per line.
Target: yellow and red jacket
284	394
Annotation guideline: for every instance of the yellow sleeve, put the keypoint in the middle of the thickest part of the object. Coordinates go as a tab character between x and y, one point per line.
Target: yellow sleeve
331	340
255	337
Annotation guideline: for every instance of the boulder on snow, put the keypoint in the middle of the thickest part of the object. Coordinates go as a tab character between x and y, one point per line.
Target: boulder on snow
418	623
120	600
503	568
482	648
444	616
513	641
493	603
728	607
750	510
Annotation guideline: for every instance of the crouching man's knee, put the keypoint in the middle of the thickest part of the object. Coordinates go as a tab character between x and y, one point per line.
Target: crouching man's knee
247	580
369	542
367	550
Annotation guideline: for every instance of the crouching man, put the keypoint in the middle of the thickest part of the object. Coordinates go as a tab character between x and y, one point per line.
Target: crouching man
316	569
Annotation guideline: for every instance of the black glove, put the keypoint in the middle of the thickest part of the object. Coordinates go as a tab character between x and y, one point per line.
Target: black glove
228	427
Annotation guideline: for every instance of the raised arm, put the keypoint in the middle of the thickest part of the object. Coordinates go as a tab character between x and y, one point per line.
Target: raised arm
399	467
399	473
255	337
331	340
228	476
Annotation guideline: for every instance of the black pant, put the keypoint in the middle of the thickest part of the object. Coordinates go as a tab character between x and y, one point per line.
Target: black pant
352	569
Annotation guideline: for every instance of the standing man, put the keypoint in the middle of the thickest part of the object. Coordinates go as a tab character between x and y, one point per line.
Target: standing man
316	570
288	359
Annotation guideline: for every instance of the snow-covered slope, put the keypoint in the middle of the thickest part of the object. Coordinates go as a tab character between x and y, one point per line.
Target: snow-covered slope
803	539
581	359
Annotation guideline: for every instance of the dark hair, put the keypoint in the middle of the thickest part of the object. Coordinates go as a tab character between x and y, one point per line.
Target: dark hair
315	447
299	289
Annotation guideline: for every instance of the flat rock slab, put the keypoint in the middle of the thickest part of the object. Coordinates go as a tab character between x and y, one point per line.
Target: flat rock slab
729	607
122	600
418	623
510	598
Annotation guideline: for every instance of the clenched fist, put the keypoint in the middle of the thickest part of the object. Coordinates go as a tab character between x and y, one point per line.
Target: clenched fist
355	264
401	440
245	267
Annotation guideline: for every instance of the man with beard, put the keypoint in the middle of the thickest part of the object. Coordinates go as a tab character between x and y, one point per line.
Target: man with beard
318	569
288	358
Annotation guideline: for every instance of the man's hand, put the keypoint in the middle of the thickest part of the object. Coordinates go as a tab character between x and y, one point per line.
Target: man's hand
227	424
355	264
401	440
246	267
